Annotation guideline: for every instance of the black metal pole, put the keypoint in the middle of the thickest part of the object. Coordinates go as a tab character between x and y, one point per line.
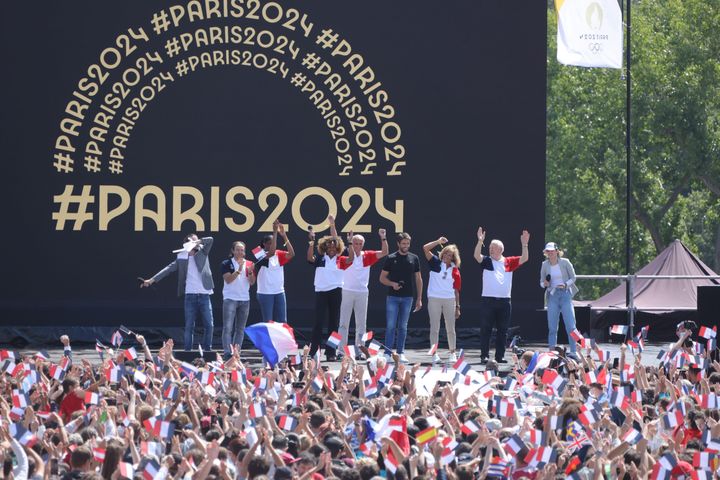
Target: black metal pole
628	171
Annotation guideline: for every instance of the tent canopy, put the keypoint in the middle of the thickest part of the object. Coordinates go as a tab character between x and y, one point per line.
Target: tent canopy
662	295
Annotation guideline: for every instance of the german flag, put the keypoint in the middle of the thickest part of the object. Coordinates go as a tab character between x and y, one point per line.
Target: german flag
426	435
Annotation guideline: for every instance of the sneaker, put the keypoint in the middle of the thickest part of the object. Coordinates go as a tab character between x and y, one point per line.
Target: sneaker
501	360
452	358
360	356
403	358
330	358
484	360
436	358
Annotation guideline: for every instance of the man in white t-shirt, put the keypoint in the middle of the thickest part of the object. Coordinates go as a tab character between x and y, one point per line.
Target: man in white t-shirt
195	283
495	307
357	265
238	275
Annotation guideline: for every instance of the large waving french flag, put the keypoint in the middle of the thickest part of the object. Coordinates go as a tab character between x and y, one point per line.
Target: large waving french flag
274	340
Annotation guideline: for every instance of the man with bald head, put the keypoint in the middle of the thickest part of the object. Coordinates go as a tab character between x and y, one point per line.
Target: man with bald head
495	307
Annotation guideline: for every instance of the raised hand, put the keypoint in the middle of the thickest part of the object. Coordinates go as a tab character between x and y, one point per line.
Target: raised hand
442	240
525	237
481	234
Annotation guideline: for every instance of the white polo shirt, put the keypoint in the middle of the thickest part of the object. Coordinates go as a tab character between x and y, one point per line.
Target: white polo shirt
357	274
271	276
238	289
328	274
497	276
444	280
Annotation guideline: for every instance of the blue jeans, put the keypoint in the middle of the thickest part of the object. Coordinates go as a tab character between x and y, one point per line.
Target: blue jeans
198	304
560	302
273	307
235	315
397	311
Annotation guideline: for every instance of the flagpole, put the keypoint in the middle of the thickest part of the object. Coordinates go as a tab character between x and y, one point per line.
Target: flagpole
628	172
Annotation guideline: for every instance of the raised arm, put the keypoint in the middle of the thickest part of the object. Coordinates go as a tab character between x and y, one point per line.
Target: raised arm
288	245
427	248
311	246
478	248
524	239
333	230
383	243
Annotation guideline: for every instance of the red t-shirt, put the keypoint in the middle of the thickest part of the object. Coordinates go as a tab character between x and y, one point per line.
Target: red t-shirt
70	404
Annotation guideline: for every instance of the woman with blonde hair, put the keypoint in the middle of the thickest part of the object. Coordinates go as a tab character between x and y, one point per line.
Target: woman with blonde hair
443	293
557	277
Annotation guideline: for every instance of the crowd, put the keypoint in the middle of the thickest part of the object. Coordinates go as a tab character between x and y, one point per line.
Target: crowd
139	415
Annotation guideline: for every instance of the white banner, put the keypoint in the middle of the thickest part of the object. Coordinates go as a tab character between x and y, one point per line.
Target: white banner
589	33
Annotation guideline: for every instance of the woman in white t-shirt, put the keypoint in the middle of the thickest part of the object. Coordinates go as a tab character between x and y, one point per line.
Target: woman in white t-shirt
557	277
270	274
328	285
443	293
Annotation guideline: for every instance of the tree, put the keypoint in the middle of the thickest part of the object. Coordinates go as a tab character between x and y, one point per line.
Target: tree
675	143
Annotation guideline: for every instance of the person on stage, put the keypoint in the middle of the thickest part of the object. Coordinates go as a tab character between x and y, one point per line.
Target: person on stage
357	265
443	292
328	285
557	277
195	283
238	275
495	306
271	276
398	273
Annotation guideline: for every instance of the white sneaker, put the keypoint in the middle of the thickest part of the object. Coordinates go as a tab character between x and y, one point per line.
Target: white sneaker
403	358
452	358
436	358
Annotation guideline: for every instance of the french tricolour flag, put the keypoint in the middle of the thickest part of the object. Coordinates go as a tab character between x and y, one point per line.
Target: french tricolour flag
259	253
159	428
433	349
274	340
514	445
350	351
334	340
374	347
152	468
287	423
22	435
367	336
126	470
619	330
92	398
257	410
116	339
462	366
707	332
131	354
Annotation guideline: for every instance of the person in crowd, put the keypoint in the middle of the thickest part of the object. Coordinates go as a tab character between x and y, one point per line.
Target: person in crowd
401	274
357	265
557	277
495	306
443	293
195	284
270	274
328	284
238	276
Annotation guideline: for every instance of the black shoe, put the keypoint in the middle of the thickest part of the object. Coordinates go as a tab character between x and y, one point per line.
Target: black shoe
501	360
360	357
484	360
331	358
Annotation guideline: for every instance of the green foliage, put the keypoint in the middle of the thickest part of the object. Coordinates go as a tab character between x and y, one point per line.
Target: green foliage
675	143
